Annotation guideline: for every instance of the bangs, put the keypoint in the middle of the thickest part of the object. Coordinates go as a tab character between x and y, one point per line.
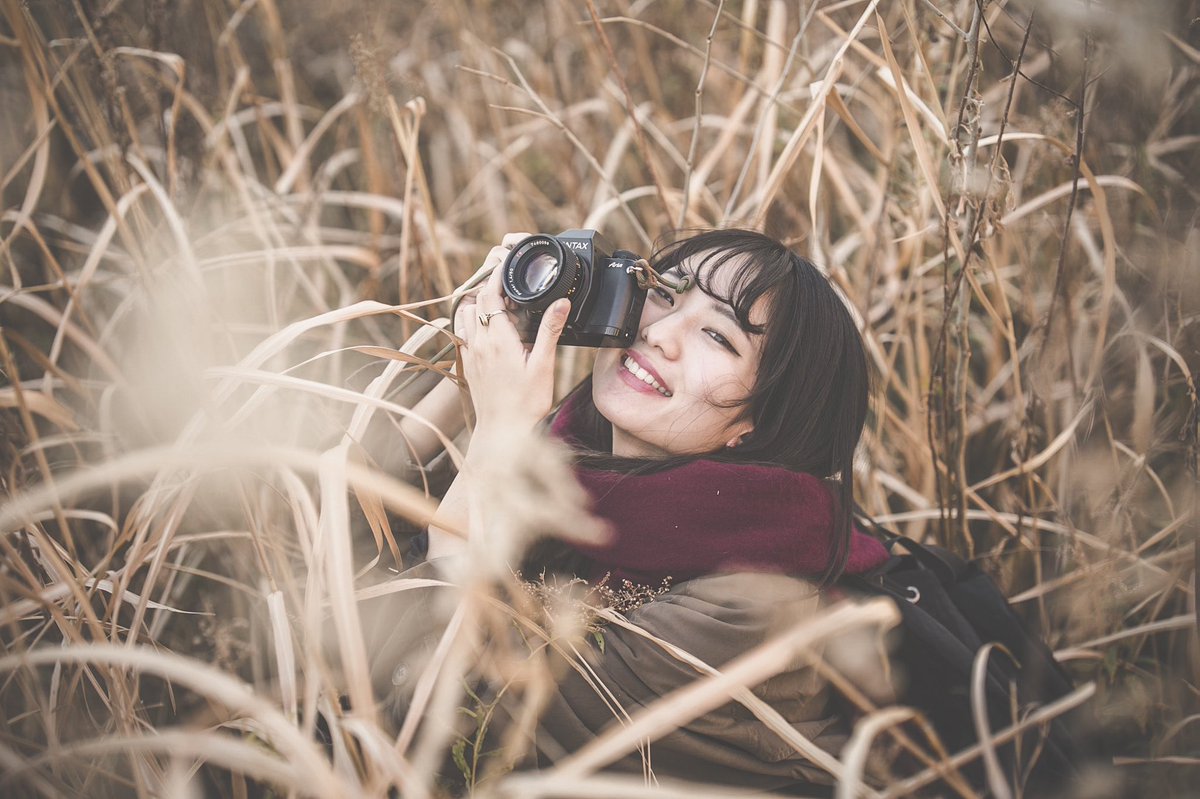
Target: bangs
754	269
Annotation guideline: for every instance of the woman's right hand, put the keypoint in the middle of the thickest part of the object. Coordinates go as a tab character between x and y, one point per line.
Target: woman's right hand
511	384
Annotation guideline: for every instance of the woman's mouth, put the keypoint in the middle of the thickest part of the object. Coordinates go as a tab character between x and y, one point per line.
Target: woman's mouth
634	370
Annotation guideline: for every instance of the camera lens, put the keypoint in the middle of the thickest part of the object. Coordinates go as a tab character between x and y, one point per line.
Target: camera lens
540	270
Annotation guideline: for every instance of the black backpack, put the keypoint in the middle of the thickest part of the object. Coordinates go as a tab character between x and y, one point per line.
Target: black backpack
949	609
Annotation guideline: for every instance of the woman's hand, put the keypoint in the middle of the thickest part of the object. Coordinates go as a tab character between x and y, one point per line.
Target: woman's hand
510	383
511	386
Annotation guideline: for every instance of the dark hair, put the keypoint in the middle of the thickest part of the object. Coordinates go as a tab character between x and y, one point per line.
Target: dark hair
809	401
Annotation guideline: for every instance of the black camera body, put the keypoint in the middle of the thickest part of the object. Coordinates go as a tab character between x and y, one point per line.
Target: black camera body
601	283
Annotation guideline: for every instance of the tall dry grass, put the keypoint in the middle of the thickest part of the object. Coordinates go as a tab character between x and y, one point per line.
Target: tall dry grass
230	235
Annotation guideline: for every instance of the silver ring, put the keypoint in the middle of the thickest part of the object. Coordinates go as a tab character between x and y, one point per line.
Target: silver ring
485	318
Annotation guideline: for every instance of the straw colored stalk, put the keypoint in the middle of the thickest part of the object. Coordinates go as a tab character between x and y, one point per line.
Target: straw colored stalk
301	753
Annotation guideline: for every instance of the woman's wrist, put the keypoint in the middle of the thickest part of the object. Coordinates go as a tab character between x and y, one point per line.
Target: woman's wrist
441	408
506	425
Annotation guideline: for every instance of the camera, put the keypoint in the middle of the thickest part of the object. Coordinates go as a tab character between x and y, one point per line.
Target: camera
601	283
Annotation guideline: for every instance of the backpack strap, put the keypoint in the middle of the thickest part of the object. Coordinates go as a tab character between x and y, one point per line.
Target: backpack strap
948	567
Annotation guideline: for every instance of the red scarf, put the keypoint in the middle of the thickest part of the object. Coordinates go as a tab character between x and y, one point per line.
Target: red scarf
707	516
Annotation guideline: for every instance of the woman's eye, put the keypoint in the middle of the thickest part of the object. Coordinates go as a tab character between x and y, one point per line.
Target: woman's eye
663	295
724	342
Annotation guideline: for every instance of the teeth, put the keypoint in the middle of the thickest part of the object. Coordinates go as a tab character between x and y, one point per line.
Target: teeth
644	376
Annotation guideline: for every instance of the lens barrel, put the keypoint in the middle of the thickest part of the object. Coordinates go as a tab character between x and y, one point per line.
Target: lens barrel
540	270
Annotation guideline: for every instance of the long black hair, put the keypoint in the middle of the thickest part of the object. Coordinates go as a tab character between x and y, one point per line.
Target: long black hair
810	397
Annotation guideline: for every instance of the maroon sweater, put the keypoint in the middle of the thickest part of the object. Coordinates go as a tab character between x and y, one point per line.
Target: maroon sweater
707	516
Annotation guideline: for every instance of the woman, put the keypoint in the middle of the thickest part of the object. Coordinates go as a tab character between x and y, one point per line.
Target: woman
719	449
760	365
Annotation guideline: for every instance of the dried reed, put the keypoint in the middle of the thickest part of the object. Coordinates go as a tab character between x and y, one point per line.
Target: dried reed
231	234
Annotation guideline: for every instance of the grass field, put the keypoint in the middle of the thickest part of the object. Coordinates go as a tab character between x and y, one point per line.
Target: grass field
230	234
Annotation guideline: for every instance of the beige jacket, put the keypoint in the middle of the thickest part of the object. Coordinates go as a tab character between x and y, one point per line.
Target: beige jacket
714	618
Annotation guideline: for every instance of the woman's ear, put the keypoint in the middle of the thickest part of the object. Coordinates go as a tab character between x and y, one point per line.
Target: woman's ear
736	441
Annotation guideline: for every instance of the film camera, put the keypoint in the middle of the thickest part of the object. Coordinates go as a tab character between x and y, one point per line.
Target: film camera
601	283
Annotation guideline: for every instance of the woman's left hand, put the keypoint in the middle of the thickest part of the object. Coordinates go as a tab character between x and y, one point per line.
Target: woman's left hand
510	382
512	387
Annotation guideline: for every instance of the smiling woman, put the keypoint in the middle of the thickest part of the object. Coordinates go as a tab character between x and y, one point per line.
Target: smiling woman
759	363
681	388
765	335
717	447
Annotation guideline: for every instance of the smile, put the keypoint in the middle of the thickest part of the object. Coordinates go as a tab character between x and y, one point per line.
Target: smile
641	374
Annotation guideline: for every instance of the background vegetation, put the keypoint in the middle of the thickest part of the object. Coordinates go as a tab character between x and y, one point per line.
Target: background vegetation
226	224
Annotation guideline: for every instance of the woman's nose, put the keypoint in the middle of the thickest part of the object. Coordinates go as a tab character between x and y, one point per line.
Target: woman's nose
663	334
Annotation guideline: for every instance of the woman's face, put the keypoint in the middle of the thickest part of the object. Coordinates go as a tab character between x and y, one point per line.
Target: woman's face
671	392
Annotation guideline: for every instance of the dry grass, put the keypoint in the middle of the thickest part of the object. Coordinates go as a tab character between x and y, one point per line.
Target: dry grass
226	227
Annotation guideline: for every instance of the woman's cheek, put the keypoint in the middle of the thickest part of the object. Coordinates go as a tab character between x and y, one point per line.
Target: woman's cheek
606	358
720	388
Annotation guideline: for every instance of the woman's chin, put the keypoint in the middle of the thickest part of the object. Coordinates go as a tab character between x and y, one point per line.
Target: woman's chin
621	404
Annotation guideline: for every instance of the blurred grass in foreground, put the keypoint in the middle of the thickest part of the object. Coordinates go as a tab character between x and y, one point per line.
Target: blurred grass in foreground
221	221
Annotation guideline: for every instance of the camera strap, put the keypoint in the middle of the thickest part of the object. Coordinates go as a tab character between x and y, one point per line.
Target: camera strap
648	278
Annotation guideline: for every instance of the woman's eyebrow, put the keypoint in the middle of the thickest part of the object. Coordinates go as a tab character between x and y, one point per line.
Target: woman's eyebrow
726	310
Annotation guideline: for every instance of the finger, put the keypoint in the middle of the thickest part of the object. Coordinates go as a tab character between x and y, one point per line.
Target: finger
491	296
549	331
497	254
467	301
463	317
490	265
511	240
